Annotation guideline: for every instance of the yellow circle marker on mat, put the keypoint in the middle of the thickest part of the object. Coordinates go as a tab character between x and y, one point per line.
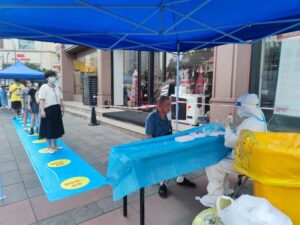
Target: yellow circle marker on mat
59	163
74	183
39	141
44	151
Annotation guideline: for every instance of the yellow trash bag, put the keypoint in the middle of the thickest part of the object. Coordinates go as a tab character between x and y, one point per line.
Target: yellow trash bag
272	160
269	158
208	217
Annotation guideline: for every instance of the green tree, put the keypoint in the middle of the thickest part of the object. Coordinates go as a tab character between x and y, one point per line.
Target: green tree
33	66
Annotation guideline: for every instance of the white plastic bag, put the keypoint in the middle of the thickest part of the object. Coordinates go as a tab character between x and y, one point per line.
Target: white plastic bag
250	210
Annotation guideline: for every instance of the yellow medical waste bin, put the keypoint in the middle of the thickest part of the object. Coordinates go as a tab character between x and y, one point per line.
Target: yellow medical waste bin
272	160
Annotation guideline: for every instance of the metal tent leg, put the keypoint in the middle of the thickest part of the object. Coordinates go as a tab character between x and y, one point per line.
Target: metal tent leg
125	206
177	88
142	206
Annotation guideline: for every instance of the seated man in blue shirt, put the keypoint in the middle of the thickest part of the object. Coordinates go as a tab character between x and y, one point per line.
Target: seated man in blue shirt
158	124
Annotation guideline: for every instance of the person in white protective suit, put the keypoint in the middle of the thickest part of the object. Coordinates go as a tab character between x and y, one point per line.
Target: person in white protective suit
254	120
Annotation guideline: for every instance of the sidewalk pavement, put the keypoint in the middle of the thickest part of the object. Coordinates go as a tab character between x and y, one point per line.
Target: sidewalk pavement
26	203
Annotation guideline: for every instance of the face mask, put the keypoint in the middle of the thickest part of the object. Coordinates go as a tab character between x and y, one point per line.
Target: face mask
240	113
169	115
52	80
29	85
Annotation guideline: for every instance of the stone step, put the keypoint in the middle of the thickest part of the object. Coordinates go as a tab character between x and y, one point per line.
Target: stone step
80	109
127	128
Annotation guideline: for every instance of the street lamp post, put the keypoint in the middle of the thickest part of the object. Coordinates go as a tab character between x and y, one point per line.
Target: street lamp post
6	58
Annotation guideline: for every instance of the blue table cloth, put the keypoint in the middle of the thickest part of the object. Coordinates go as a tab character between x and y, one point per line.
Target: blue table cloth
143	163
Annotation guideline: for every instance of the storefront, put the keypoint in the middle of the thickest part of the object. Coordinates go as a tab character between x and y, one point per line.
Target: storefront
139	78
218	76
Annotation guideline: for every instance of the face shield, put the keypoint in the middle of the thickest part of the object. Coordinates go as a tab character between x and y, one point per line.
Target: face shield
248	106
239	110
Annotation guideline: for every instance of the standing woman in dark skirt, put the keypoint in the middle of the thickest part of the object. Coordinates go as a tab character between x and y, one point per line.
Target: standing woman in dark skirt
52	108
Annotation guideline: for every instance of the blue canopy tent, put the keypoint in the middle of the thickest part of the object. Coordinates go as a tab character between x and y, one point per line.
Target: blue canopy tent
21	71
150	25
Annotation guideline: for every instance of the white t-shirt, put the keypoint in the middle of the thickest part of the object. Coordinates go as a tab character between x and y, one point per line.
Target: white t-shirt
52	96
37	95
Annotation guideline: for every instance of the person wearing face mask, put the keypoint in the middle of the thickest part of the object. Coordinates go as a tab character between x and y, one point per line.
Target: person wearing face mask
159	124
25	103
15	91
52	108
3	96
254	120
33	106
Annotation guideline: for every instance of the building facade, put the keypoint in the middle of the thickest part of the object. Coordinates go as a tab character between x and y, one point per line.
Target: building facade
270	69
221	74
44	55
36	54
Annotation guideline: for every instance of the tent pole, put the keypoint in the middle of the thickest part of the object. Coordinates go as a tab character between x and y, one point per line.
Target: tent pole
177	85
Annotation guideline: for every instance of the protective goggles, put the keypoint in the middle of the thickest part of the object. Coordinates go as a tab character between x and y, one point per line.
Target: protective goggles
238	104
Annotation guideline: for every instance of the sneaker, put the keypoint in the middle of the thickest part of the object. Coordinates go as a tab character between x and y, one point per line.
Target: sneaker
187	183
31	131
57	147
163	191
209	200
51	150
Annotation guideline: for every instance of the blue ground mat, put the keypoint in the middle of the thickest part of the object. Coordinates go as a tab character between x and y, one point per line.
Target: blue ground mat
62	174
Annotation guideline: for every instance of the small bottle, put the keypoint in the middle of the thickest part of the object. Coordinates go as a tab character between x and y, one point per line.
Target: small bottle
230	119
216	124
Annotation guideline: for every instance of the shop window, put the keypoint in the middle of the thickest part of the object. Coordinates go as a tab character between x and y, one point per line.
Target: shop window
84	66
145	75
159	78
125	73
280	81
26	44
195	71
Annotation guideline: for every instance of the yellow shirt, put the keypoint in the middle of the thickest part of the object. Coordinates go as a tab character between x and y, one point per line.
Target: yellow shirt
17	94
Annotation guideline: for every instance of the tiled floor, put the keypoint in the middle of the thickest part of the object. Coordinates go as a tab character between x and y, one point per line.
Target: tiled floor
27	204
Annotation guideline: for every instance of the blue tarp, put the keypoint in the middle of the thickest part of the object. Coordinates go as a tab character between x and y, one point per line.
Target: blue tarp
21	71
152	25
62	174
144	163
